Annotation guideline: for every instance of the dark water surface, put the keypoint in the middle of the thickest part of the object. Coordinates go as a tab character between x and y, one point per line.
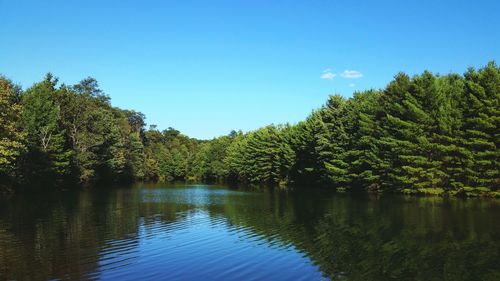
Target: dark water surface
200	232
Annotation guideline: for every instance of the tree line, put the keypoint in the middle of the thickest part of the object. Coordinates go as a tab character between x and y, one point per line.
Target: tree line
422	134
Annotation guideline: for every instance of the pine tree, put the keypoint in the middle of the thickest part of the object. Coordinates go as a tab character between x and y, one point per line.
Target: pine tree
307	169
364	150
398	143
447	137
333	140
411	122
263	156
481	123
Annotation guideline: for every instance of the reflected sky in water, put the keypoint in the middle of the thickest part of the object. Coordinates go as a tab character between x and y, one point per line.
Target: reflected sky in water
201	232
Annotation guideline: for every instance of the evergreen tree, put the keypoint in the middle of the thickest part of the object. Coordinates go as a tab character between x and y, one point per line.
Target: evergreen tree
481	122
332	141
421	134
307	167
364	149
265	157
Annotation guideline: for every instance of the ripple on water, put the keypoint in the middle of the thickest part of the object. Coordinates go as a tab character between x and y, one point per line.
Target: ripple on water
199	247
157	234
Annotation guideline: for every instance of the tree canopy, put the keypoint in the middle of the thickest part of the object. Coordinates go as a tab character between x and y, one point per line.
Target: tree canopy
422	134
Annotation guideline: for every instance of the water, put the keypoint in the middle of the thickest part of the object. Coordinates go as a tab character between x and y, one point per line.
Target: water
200	232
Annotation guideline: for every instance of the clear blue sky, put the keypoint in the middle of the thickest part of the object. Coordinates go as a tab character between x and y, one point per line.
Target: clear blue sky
206	67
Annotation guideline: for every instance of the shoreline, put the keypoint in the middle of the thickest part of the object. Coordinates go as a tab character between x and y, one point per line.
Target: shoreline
432	192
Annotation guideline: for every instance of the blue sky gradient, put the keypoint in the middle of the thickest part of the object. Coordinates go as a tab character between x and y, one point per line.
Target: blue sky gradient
207	67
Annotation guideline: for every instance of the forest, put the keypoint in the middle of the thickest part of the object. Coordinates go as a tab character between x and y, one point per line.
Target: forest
425	134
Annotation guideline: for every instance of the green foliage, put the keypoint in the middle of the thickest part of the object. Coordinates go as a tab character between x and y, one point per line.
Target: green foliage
333	141
11	135
169	154
47	155
481	123
307	167
264	156
208	163
426	134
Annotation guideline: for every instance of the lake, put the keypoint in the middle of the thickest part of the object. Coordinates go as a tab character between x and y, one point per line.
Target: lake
211	232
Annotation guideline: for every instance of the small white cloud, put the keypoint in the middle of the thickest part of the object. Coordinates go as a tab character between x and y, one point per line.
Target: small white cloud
352	85
328	75
351	74
327	70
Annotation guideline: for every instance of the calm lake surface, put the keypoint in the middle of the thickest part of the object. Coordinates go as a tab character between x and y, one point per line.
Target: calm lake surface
204	232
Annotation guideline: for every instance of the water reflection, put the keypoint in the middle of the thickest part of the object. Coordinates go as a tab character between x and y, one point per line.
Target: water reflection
212	233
